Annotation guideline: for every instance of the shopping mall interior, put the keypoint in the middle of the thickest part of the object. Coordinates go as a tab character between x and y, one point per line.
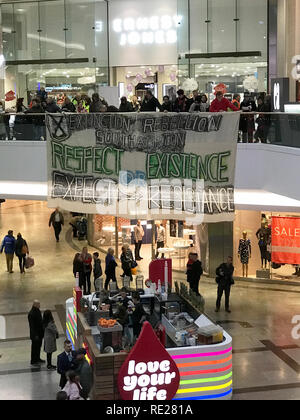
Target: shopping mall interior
84	164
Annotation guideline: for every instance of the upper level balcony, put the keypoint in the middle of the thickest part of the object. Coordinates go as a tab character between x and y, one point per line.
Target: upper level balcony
267	170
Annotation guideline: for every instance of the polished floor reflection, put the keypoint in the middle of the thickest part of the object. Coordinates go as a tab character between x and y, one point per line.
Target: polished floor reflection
266	359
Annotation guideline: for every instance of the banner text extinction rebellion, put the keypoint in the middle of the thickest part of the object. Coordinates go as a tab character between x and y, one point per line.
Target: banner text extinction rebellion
116	197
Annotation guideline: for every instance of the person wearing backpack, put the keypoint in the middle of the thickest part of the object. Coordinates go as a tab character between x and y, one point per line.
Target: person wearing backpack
21	252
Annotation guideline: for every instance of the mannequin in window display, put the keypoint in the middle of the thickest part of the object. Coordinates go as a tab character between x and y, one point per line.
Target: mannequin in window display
244	253
262	236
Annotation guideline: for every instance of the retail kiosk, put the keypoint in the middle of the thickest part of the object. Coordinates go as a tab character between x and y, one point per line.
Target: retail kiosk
201	350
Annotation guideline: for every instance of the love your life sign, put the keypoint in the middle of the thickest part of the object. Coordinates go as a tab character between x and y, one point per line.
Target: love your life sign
149	373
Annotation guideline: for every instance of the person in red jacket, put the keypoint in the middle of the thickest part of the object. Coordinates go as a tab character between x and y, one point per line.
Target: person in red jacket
221	104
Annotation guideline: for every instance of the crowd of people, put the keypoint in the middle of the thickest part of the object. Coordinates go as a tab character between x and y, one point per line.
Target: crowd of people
29	122
76	377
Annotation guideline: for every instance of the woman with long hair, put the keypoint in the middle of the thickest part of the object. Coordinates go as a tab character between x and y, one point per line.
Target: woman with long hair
73	387
21	252
50	337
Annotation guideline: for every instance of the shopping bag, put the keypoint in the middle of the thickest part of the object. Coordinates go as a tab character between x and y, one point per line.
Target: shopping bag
29	262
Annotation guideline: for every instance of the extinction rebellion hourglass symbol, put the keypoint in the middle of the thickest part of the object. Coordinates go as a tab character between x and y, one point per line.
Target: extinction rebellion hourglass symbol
149	372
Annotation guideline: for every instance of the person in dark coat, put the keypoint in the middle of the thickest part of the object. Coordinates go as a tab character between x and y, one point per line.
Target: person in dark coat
35	321
138	316
65	362
50	337
150	103
78	268
97	269
37	121
68	106
96	103
181	102
9	246
224	280
167	105
194	272
51	106
110	267
125	105
57	221
21	251
84	371
247	125
127	260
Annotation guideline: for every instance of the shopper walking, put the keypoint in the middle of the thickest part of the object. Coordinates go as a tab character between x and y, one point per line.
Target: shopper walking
150	103
127	261
138	240
35	321
87	270
97	269
65	362
9	246
57	221
194	272
84	372
224	280
110	268
221	104
50	337
160	240
73	388
21	251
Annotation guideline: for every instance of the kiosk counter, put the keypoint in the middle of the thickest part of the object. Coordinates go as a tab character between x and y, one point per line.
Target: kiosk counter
201	350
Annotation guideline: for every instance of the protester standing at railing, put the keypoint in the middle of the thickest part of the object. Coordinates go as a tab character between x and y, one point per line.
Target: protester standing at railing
150	103
263	121
2	122
135	104
68	106
37	121
236	100
97	102
51	106
125	106
221	104
181	102
247	122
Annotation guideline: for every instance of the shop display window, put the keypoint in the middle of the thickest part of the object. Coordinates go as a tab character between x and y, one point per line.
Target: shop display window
256	229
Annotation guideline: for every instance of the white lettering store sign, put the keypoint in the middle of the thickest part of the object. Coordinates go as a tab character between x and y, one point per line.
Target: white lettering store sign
143	33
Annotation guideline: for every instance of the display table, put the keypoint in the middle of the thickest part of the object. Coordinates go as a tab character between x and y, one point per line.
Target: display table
166	250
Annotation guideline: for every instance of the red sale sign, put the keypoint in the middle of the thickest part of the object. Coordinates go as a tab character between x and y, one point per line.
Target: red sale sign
286	240
149	372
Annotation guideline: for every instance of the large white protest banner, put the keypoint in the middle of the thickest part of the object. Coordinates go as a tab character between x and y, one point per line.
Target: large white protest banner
144	165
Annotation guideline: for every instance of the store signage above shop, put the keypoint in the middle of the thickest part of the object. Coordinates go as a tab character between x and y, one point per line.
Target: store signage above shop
149	372
147	30
280	93
147	165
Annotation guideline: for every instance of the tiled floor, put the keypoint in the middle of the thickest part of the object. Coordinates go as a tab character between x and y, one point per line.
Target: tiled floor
266	359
